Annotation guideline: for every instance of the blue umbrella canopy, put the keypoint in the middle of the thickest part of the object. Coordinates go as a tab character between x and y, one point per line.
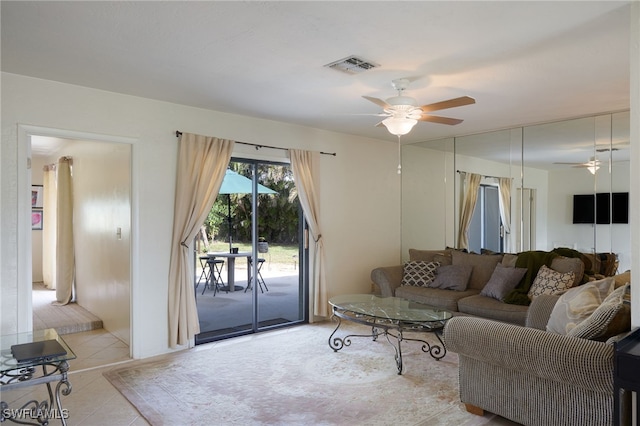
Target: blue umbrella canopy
235	183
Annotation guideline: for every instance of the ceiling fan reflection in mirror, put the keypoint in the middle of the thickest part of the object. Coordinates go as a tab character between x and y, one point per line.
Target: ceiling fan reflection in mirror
594	163
403	112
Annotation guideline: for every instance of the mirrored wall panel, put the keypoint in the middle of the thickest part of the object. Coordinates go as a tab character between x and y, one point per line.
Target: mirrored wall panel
428	171
539	187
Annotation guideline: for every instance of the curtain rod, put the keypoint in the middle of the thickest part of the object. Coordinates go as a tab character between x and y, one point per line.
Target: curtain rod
53	166
179	133
484	176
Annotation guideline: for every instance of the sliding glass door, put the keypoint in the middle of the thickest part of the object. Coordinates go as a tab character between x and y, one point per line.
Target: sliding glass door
249	259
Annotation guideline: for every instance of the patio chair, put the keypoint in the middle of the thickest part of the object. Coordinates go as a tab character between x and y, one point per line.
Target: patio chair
214	279
258	277
205	271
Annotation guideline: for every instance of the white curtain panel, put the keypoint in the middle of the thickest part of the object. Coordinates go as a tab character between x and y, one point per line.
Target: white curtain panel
49	227
65	250
504	188
471	185
202	162
305	176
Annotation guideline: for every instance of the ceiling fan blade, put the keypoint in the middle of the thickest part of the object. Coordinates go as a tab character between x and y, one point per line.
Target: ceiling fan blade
571	164
441	120
451	103
377	101
379	114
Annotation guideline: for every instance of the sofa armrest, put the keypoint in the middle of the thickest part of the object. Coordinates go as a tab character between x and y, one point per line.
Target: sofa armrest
579	362
387	278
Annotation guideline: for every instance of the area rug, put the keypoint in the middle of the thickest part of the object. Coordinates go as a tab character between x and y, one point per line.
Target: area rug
292	377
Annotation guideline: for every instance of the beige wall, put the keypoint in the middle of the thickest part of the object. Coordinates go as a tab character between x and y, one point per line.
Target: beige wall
359	189
102	206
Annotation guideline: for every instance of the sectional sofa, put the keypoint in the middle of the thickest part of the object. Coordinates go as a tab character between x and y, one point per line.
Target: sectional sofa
543	360
471	300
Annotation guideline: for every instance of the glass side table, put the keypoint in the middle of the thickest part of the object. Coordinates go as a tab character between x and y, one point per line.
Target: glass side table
47	371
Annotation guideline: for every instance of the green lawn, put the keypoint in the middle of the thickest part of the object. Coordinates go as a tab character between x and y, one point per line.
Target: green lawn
278	253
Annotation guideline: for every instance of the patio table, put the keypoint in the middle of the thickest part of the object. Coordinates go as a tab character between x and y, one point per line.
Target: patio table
231	265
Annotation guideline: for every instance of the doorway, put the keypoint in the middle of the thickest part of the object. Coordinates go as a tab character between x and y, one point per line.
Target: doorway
486	231
102	189
261	220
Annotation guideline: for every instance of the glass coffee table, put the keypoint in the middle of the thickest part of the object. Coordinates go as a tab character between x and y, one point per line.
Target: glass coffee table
391	317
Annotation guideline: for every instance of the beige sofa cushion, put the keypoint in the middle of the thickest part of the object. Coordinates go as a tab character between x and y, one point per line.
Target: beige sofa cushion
622	279
436	297
569	264
443	259
483	266
509	260
429	255
488	307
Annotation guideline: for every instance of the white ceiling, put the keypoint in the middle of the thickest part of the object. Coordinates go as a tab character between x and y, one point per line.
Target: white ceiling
524	62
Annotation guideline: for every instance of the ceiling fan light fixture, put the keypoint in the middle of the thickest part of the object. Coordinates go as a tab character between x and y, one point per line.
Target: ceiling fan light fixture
404	102
399	126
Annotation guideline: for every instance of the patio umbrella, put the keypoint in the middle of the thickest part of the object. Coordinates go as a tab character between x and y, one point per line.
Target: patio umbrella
235	183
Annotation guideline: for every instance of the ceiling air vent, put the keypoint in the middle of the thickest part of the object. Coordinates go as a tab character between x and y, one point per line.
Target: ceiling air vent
352	65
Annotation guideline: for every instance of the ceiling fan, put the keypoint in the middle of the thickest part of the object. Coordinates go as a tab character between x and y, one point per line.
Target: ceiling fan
593	161
403	113
592	165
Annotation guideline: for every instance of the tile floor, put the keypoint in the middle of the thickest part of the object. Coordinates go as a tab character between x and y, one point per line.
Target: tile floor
93	401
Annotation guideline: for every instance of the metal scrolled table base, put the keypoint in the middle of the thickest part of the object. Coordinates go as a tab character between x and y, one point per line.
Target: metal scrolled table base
393	329
40	412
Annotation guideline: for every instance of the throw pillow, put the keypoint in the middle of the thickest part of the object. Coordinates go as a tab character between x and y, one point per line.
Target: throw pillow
452	277
483	266
577	304
622	279
548	281
502	281
419	273
612	317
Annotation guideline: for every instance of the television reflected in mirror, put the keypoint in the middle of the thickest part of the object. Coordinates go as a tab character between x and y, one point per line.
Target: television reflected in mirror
603	211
